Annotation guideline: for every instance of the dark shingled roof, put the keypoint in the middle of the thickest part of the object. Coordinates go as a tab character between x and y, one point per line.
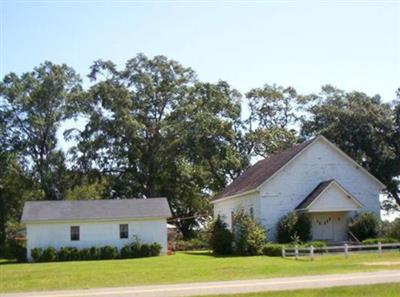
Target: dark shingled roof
255	175
314	194
67	210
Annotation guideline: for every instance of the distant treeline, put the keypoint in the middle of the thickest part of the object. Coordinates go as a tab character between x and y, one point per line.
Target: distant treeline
154	129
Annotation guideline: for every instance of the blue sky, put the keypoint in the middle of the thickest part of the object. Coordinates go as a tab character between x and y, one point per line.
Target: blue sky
354	45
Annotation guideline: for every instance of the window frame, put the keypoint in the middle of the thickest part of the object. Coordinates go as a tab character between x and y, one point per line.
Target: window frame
75	236
123	234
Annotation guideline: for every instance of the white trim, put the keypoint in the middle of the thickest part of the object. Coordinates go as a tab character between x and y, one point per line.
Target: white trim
358	166
235	196
355	200
320	137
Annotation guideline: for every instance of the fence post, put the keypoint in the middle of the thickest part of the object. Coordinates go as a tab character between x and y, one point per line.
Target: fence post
380	247
346	250
312	253
296	252
283	252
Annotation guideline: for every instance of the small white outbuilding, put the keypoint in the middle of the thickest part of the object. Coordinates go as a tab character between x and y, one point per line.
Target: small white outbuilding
87	223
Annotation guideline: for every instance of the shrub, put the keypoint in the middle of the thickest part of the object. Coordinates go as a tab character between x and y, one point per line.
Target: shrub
13	249
365	225
220	238
272	250
84	254
155	249
125	252
48	255
108	252
145	250
191	244
36	254
94	253
135	247
381	240
316	244
248	236
394	229
293	227
68	254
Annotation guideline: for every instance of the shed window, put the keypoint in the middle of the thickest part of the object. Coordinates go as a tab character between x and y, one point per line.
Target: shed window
123	231
74	233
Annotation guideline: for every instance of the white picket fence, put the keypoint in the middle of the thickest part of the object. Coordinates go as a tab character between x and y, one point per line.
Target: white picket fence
346	249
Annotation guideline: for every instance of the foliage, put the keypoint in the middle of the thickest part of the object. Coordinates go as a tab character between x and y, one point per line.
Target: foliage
104	253
191	245
36	254
13	249
86	254
272	250
365	225
48	255
153	129
293	227
125	252
249	236
108	252
220	238
68	254
316	244
364	127
380	239
35	105
394	229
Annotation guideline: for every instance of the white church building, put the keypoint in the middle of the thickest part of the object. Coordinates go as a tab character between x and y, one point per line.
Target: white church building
315	178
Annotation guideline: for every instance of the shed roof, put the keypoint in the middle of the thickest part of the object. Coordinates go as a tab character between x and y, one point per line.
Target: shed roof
70	210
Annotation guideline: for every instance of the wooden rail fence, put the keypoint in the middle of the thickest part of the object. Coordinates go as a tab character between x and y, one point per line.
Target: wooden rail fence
346	249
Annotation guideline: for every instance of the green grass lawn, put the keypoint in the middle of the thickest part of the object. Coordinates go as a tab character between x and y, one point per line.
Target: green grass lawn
179	268
386	290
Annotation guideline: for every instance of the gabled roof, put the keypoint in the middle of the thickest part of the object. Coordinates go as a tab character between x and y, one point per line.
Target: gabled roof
314	194
258	174
318	193
255	175
71	210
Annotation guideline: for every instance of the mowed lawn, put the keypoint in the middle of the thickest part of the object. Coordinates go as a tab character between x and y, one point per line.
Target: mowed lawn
385	290
179	268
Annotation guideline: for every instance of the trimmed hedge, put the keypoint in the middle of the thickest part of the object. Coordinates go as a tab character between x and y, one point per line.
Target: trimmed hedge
381	240
316	244
272	250
135	250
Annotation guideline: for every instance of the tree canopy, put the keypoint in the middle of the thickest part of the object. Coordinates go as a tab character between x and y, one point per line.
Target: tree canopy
153	129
